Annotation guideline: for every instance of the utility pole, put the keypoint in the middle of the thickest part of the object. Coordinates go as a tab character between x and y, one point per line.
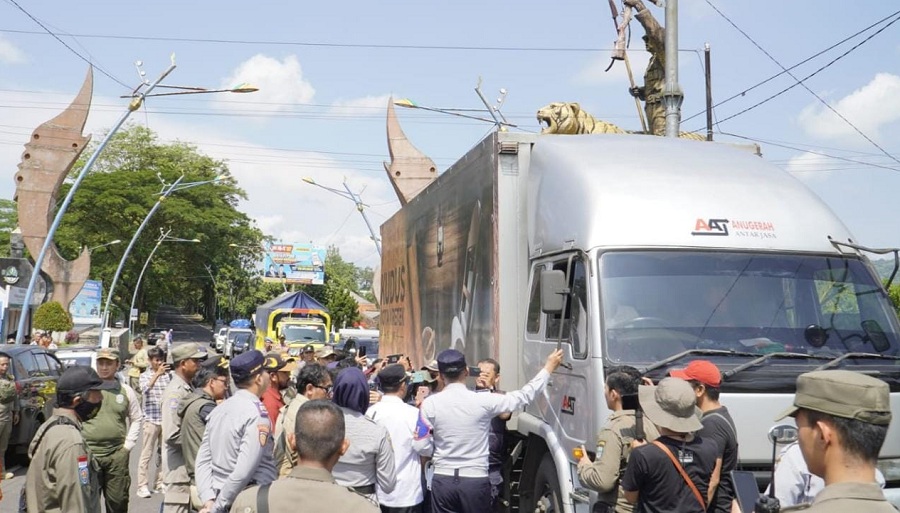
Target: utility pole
672	95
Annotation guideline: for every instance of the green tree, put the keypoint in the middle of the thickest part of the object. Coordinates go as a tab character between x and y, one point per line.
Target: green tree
9	219
341	305
52	316
115	198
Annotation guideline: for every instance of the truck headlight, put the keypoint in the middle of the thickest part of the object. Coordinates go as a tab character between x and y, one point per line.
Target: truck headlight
890	468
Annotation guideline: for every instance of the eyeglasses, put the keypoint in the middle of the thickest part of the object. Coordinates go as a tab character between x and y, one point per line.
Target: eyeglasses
223	380
328	390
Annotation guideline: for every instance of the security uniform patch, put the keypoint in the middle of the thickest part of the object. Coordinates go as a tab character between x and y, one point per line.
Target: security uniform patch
264	430
83	472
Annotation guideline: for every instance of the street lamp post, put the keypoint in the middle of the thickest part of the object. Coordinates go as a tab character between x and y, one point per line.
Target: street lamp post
110	243
215	295
163	237
166	191
352	196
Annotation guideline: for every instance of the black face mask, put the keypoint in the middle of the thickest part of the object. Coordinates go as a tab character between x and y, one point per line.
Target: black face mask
87	410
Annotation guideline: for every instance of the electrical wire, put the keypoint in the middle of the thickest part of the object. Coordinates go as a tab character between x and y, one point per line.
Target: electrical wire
804	61
83	58
804	86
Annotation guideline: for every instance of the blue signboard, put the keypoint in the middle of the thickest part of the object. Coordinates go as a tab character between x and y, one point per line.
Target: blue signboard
85	308
303	264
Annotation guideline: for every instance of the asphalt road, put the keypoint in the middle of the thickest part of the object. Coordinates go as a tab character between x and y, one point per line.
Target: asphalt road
186	330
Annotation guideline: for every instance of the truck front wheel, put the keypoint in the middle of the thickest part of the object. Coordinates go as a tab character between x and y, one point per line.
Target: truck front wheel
547	496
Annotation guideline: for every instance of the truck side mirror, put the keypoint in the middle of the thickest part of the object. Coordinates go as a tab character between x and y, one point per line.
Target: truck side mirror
553	288
876	335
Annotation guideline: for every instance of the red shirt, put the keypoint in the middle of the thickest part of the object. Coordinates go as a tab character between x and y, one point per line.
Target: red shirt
273	401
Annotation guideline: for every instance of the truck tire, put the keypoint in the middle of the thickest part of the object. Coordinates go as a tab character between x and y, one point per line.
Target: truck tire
547	496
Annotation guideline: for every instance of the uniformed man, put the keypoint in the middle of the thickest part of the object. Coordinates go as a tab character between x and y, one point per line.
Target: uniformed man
186	359
210	384
237	448
842	420
9	410
114	432
320	440
308	354
614	441
459	420
139	363
313	383
62	476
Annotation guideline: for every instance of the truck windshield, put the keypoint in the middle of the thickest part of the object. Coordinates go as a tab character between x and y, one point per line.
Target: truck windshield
657	304
301	333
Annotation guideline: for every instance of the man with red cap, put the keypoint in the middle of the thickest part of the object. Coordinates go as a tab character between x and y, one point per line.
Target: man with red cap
706	380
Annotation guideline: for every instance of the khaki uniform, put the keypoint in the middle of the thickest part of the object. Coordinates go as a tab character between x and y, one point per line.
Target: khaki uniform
655	75
9	406
305	489
613	450
63	475
285	458
845	497
178	483
139	363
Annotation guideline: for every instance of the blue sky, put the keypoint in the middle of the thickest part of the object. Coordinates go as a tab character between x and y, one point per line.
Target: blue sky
326	69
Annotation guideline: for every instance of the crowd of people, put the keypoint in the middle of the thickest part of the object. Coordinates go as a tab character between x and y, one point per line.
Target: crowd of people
328	432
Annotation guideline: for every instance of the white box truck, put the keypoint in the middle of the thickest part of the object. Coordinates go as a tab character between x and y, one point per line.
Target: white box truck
665	251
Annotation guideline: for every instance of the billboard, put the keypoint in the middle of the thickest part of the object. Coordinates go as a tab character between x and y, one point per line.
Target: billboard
303	264
85	308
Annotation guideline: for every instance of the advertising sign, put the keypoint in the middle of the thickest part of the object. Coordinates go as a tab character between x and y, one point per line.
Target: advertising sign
303	264
85	308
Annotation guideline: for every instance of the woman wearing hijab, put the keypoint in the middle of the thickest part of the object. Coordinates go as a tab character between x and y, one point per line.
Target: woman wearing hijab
370	457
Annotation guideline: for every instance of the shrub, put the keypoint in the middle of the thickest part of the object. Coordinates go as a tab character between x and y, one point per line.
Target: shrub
52	317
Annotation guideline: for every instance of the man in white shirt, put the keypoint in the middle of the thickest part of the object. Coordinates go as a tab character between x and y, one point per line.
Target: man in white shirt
399	419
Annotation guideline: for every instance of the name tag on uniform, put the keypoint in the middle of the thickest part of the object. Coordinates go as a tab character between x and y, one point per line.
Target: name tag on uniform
685	457
83	472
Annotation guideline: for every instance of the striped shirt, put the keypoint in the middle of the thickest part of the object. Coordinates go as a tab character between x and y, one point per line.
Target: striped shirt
153	395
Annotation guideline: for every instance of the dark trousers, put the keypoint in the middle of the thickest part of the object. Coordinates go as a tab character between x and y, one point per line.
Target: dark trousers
115	480
453	494
411	509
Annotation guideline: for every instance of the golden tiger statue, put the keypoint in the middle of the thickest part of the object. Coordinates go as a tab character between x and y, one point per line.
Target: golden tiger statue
568	118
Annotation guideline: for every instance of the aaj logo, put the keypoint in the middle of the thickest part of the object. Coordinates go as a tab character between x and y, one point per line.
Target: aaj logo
711	227
11	275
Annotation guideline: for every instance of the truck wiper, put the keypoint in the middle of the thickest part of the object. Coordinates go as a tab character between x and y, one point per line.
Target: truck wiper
761	359
689	352
839	359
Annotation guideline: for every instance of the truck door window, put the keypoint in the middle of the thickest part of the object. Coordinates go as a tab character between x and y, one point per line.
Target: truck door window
573	318
533	320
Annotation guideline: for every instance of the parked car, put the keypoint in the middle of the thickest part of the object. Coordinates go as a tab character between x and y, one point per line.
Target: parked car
242	342
219	339
155	335
36	372
230	336
78	355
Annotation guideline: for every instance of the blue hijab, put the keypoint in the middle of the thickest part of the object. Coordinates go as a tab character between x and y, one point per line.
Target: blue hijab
351	390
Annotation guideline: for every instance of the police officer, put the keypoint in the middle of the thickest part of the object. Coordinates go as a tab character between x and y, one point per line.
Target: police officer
459	420
186	360
62	476
9	410
210	384
237	448
842	420
114	432
320	441
614	441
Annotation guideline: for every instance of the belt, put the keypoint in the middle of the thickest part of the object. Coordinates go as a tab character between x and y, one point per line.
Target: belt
368	489
460	472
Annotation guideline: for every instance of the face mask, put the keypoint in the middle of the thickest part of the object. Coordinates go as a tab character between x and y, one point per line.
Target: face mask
87	410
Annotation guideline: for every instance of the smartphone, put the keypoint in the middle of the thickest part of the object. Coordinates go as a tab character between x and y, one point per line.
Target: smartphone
373	387
394	358
361	351
745	489
474	372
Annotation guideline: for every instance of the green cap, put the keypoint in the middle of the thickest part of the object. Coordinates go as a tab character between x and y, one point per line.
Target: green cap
189	350
845	394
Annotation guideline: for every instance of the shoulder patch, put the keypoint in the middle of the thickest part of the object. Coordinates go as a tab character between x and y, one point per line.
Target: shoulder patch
264	431
263	412
173	403
83	472
600	446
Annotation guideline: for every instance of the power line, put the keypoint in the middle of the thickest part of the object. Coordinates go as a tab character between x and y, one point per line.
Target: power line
804	61
83	58
804	86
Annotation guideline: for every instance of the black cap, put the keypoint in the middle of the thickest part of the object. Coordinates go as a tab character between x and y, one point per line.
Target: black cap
308	348
451	361
246	365
215	361
392	375
81	378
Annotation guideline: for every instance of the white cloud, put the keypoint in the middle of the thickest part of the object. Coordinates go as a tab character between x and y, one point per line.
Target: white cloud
365	106
281	85
809	167
870	108
592	74
10	53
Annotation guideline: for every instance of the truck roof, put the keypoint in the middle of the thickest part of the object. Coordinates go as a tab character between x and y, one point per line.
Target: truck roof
590	191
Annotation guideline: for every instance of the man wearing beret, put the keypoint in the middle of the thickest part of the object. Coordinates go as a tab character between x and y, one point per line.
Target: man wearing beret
842	420
62	476
237	447
114	432
459	421
186	360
